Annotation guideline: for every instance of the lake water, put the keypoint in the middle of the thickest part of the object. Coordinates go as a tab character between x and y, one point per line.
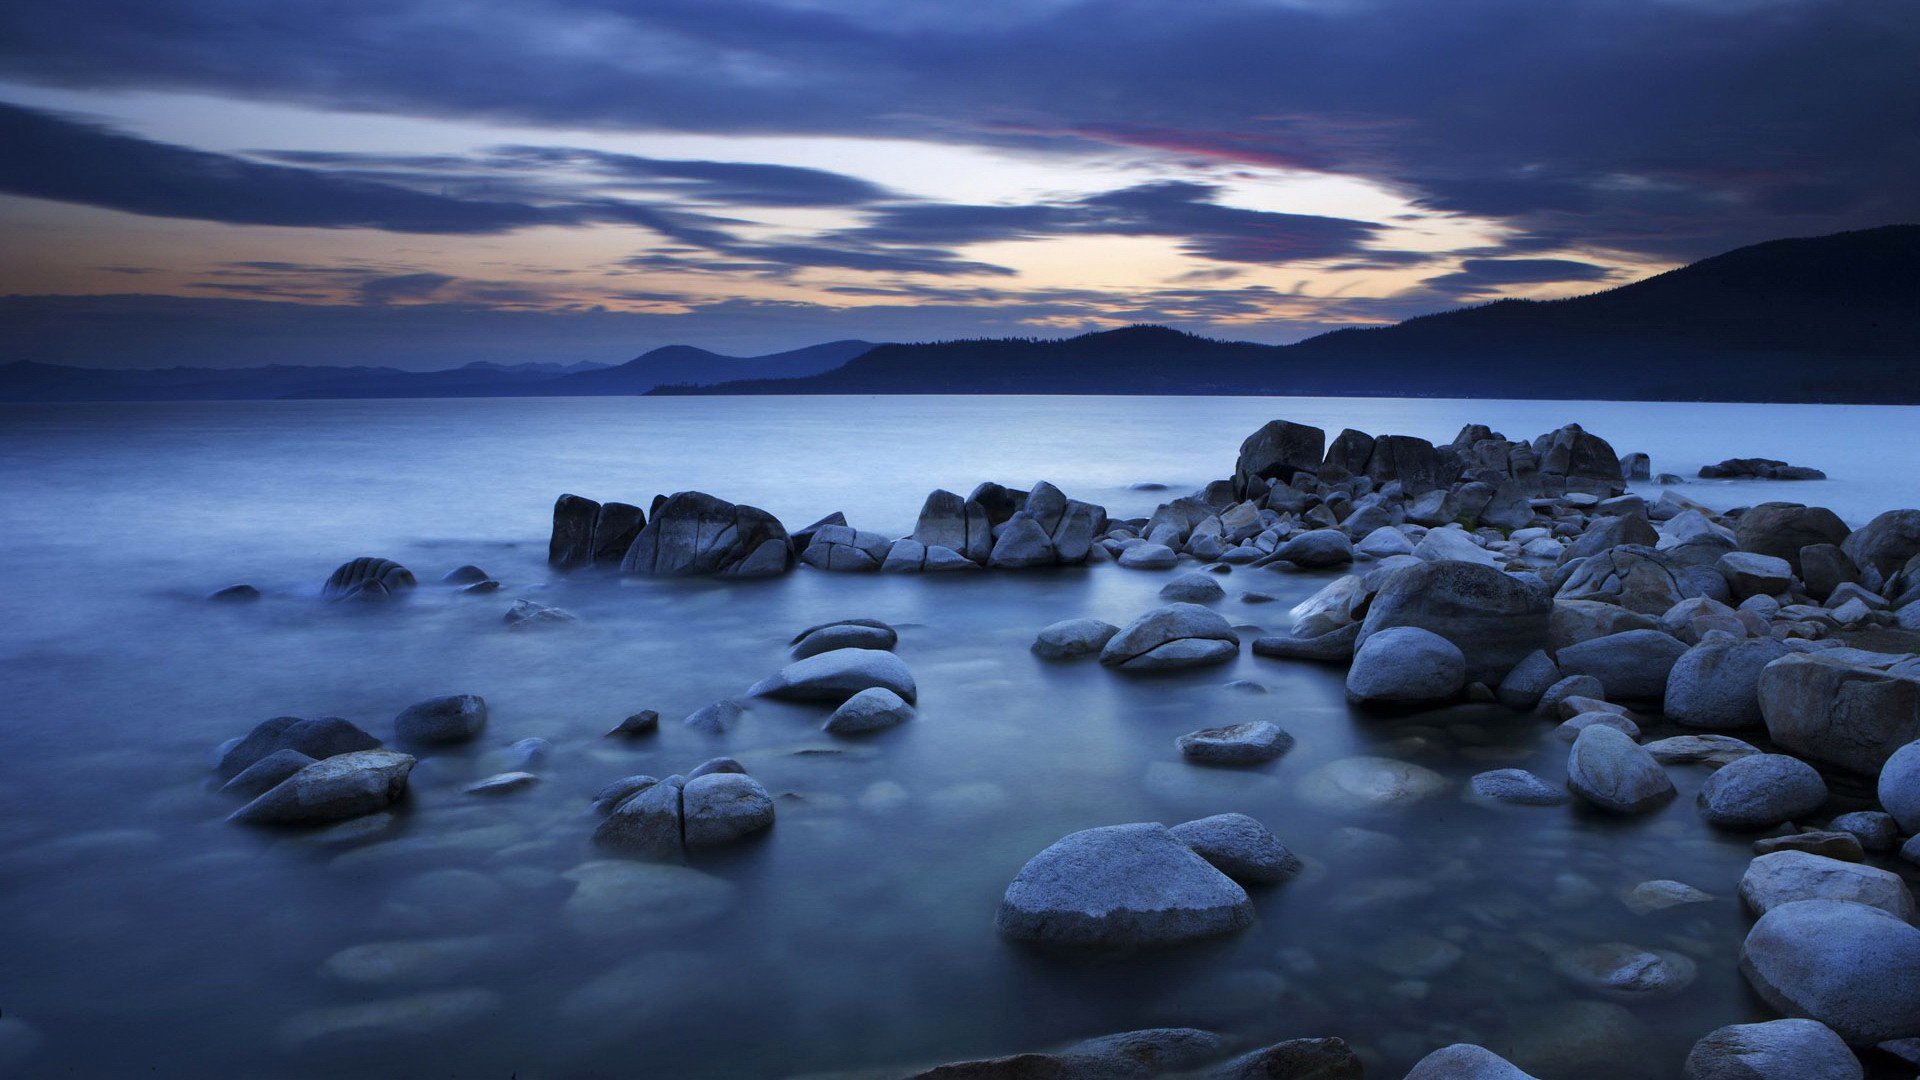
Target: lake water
140	934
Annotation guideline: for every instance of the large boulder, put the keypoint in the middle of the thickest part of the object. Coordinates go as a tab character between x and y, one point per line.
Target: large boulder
340	787
1761	790
1781	529
1122	886
1404	666
1853	968
1611	771
1885	543
838	675
319	739
367	578
946	520
1465	1061
1175	636
1851	711
1715	686
442	721
692	533
1632	665
1899	787
1786	877
1277	451
1494	619
1776	1050
1635	577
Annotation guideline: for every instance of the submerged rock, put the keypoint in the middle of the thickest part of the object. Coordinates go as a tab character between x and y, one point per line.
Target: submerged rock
333	789
1122	886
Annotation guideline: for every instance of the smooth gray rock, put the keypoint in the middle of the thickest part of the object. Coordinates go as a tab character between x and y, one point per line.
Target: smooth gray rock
838	675
1715	685
1899	786
1239	847
1465	1061
1760	790
719	808
846	634
1516	786
1785	877
1171	637
1631	666
646	824
1776	1050
318	739
1494	619
1237	744
874	709
1121	885
1609	770
265	774
1069	638
1193	588
443	721
1853	968
1403	666
1834	710
333	789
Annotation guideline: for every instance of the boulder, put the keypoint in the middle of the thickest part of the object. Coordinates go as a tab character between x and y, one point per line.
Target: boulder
443	721
1634	577
333	789
1612	772
1631	666
1121	886
1236	744
1776	1050
318	739
1785	877
1494	619
1239	847
367	578
845	634
1836	710
1465	1061
1751	574
1073	637
869	710
1853	968
1715	686
692	533
1899	786
1278	451
838	675
721	807
1886	543
1761	790
1403	666
1171	637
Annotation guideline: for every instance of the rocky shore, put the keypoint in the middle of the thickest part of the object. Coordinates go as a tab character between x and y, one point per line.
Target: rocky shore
1779	642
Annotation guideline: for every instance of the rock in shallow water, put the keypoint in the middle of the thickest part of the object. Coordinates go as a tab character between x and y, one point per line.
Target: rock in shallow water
1776	1050
1853	968
1123	886
334	789
1235	744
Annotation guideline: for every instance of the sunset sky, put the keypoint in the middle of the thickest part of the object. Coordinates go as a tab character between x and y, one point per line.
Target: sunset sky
230	182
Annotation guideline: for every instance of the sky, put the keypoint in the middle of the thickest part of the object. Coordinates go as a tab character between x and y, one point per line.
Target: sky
425	183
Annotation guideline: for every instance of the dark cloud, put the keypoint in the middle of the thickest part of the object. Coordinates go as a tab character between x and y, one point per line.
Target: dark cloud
1675	128
1486	275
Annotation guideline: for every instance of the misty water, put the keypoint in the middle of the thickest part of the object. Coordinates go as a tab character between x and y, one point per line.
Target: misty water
141	934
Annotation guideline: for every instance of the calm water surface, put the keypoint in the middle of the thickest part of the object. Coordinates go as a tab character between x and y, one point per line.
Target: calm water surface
142	935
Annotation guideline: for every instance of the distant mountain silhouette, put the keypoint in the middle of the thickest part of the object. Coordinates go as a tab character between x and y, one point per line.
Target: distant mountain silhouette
1834	318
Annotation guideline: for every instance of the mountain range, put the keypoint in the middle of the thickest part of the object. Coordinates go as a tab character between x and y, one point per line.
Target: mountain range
1833	318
